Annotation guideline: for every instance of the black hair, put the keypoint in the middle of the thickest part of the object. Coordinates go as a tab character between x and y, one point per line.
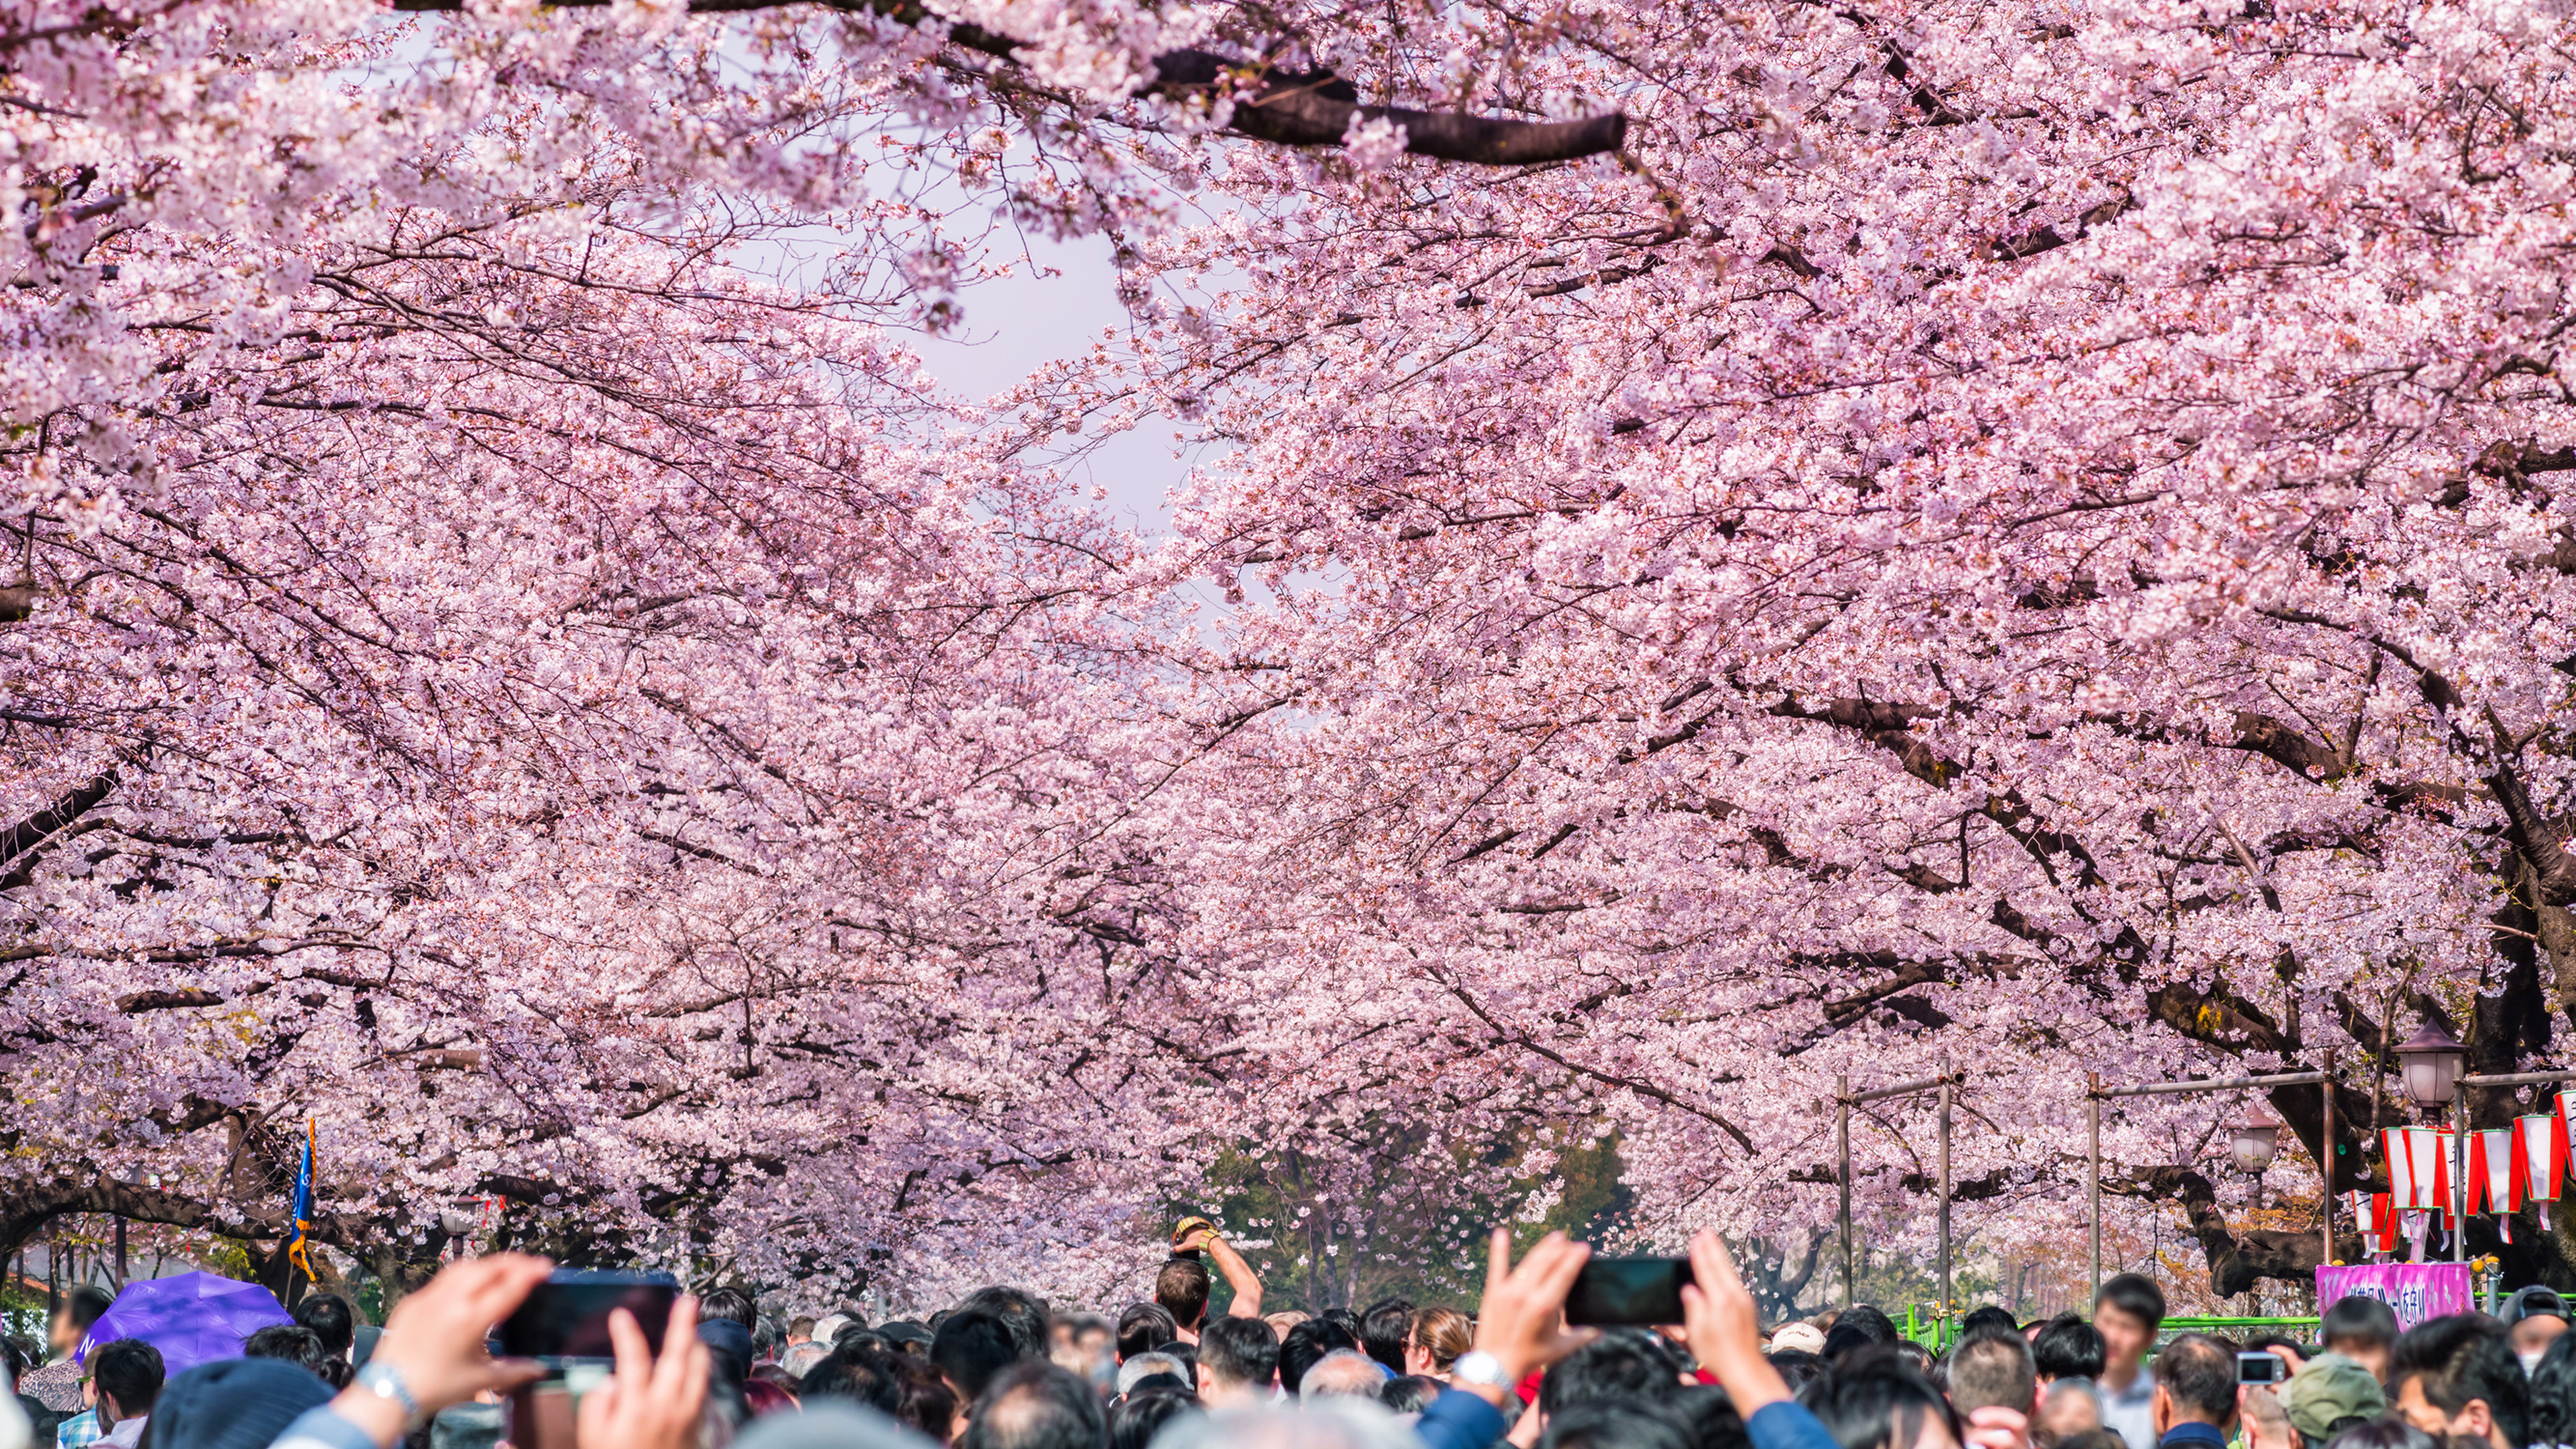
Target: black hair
1992	1368
1988	1316
2390	1432
1343	1319
1614	1424
329	1315
1623	1363
1035	1405
1795	1366
2460	1359
731	1304
1182	1288
1914	1356
929	1404
1022	1312
1306	1345
1137	1419
971	1347
853	1341
2553	1393
2354	1317
1709	1419
1240	1351
1142	1328
1861	1326
1187	1355
292	1342
1408	1393
1873	1400
2199	1373
86	1305
128	1371
1383	1327
2136	1295
2069	1348
2094	1439
864	1378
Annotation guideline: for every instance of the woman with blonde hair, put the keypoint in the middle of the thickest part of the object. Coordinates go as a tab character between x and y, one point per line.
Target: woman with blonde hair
1435	1339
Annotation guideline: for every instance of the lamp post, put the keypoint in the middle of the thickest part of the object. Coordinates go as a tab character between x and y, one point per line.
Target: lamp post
2430	1063
2253	1141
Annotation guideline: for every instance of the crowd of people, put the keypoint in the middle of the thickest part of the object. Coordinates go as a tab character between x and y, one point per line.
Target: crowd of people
1002	1370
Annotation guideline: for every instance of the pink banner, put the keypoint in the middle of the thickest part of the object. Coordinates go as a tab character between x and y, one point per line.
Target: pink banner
2416	1291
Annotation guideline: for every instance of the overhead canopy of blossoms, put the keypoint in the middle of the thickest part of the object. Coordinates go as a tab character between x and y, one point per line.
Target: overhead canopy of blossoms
1764	547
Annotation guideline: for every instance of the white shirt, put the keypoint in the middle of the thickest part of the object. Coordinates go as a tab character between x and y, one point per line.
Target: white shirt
126	1432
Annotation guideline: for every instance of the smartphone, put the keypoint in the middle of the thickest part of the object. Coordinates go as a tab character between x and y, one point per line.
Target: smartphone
566	1319
1618	1292
2260	1368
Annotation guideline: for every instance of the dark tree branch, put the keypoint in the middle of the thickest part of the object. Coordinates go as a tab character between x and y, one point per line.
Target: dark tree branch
1289	108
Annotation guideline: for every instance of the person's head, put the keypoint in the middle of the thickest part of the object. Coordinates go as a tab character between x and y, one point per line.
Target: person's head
1708	1417
1383	1327
1435	1340
1133	1423
1182	1288
2128	1311
929	1404
1987	1316
2534	1318
234	1403
1408	1393
1614	1424
2195	1382
2391	1432
1337	1423
1858	1328
2267	1424
2067	1348
1872	1400
2330	1395
1796	1367
2552	1418
1991	1368
1144	1328
970	1347
329	1315
290	1342
2361	1329
1021	1311
729	1303
1285	1319
800	1329
859	1379
1623	1363
1796	1334
2069	1407
1238	1360
1143	1366
1344	1371
2097	1439
82	1308
1033	1404
2458	1376
1306	1345
128	1375
800	1358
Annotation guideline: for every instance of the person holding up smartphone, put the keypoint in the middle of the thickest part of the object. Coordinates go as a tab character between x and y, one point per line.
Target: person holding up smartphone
432	1355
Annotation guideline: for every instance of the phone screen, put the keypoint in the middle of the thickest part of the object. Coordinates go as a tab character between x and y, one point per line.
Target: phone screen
2258	1368
567	1316
1611	1292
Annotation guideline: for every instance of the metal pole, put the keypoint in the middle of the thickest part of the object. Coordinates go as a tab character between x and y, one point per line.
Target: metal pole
2326	1164
2459	1171
1842	1149
120	1253
2093	1176
1945	1194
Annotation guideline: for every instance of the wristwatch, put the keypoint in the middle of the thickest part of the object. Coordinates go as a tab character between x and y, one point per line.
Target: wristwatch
380	1380
1480	1367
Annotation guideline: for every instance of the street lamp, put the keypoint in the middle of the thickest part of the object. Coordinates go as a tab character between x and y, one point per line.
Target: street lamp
2253	1141
2432	1064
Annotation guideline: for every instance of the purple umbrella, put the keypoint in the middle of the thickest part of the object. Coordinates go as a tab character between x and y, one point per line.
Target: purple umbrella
192	1318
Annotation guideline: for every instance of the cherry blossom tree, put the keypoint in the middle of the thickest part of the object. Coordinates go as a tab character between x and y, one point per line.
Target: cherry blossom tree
2024	535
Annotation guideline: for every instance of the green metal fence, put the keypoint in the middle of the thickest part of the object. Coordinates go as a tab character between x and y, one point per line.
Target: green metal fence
1936	1331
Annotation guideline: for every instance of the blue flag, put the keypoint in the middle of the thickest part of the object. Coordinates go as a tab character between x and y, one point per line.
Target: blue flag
296	1247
